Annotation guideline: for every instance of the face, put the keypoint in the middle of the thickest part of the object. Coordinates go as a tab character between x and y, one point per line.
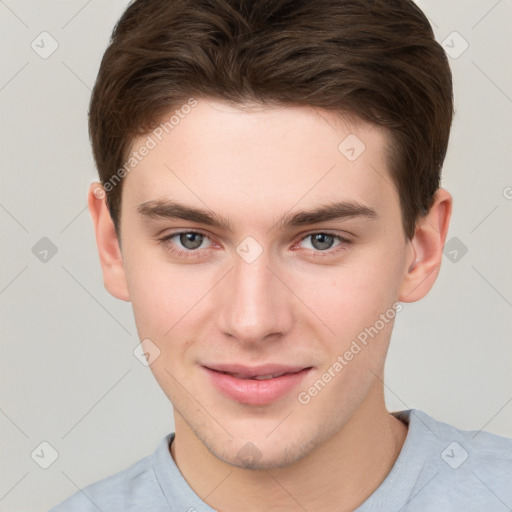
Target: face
255	312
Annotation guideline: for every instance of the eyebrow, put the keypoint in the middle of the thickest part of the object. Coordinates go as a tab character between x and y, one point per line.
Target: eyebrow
167	209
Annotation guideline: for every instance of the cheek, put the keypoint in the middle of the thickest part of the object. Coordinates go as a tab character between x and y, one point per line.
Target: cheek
164	300
161	294
353	295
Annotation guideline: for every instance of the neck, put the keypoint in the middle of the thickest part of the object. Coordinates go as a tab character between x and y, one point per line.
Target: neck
338	476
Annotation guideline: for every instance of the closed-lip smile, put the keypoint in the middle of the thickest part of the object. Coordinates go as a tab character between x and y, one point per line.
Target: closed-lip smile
255	385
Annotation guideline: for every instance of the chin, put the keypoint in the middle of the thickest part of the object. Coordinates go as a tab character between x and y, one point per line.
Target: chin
262	454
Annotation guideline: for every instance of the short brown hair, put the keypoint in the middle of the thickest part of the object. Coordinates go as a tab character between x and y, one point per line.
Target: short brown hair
375	59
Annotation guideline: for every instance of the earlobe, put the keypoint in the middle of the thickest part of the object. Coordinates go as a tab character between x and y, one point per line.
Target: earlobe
114	277
426	248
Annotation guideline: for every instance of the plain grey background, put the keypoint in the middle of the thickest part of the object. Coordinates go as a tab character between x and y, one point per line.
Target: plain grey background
69	377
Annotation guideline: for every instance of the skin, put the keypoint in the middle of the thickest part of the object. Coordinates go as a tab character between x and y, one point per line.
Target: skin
295	304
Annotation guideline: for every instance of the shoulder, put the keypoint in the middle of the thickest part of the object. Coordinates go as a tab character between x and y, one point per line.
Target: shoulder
476	446
133	489
470	467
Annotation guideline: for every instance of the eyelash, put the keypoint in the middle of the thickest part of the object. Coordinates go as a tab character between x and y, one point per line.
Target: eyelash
194	253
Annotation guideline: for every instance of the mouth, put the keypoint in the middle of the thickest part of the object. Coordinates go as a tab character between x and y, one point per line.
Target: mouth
257	377
259	385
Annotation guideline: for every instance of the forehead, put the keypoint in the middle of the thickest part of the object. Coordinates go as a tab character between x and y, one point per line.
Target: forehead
255	159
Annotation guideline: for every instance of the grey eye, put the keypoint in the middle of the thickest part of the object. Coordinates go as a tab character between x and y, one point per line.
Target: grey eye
191	240
322	241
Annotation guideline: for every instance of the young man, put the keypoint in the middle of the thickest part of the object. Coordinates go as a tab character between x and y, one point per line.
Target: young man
269	197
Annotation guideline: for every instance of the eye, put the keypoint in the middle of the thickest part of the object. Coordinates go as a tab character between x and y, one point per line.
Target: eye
321	241
187	242
324	242
190	240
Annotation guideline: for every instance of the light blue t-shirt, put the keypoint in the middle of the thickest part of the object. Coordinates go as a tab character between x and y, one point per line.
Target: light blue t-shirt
440	468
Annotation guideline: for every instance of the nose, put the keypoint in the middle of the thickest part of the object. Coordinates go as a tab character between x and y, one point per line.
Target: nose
255	305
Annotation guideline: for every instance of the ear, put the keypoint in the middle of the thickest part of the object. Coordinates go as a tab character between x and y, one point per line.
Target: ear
427	249
111	259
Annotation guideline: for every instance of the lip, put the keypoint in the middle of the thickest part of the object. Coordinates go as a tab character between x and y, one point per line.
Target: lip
237	383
